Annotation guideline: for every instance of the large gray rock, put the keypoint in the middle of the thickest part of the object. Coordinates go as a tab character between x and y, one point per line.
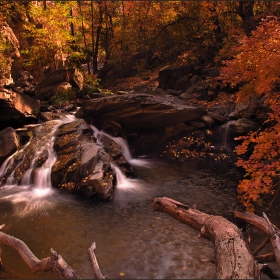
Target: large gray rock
9	143
17	108
140	111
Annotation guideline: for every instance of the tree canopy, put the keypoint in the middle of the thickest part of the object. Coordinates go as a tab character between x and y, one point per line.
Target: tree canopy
240	36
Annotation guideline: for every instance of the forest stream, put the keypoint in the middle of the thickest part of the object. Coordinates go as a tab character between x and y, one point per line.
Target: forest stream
132	240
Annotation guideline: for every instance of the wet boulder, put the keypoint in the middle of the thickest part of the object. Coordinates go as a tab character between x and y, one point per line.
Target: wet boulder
77	156
136	112
82	165
17	109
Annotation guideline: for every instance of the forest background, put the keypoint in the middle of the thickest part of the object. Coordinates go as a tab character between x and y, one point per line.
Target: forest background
120	39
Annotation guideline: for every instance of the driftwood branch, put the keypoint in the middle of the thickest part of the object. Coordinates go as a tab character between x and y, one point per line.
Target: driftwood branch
95	265
55	263
264	225
233	257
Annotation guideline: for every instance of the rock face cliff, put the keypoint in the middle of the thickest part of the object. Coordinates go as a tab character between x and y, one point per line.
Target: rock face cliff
11	50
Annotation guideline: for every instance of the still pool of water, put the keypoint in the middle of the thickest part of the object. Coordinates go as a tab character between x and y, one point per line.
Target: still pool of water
133	241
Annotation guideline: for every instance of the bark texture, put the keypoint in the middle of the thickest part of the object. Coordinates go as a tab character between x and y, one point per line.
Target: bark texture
233	257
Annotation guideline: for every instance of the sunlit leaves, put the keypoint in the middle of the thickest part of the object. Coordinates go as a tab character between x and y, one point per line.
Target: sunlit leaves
49	32
192	147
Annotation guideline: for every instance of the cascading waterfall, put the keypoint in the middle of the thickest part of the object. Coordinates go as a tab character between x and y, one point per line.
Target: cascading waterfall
123	182
33	187
124	146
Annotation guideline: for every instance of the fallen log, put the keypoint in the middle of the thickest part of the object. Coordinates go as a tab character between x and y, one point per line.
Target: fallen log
264	225
233	258
55	263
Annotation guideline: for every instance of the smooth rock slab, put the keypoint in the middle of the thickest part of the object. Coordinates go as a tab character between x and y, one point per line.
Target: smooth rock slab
139	111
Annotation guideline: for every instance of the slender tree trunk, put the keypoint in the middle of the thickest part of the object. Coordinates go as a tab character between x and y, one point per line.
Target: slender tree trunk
84	36
92	32
98	33
72	24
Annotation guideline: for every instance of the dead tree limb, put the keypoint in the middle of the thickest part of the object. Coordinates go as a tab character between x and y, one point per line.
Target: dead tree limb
265	242
55	263
233	257
264	225
95	265
269	257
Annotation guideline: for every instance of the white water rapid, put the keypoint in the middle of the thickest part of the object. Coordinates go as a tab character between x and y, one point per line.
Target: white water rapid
122	142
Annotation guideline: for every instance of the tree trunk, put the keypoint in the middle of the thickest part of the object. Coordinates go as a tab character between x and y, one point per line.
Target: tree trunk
98	34
245	11
71	23
264	225
84	36
233	257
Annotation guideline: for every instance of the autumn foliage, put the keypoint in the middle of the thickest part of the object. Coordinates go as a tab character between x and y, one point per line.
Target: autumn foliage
262	166
256	70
